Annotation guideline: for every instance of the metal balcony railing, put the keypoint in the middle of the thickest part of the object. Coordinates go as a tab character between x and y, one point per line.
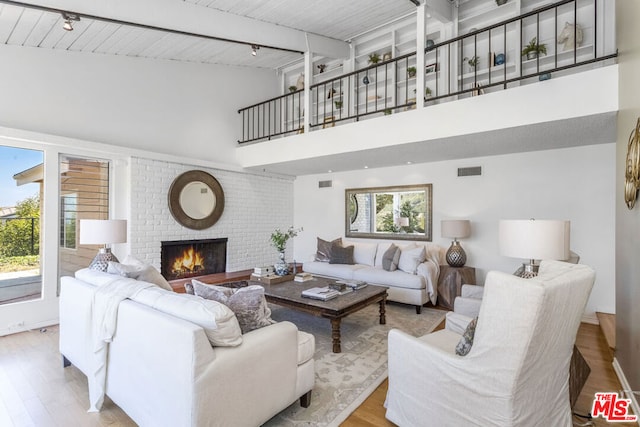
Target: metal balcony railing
515	51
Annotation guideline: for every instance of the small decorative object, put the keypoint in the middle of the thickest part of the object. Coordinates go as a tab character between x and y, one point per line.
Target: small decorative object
429	44
544	76
322	67
570	36
427	92
473	61
292	89
386	57
632	170
387	111
477	90
499	59
330	93
338	104
411	72
279	241
329	122
300	82
501	2
533	49
456	229
365	80
374	58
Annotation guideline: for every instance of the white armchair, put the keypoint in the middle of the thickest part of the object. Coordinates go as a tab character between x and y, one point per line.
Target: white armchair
517	371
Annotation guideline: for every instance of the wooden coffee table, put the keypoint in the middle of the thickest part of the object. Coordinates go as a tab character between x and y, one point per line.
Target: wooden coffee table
289	294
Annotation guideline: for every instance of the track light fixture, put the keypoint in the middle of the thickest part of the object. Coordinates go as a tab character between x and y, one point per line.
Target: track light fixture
68	17
254	49
416	2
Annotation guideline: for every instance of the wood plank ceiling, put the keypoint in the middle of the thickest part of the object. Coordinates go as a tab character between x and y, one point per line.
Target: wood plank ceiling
336	19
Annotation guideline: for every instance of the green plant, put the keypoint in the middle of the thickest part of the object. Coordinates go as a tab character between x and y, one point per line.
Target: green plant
411	71
427	91
534	47
374	58
292	89
387	111
473	61
338	104
279	239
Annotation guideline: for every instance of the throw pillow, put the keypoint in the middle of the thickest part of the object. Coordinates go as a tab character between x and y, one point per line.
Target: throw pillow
248	303
188	288
136	269
341	254
410	258
323	253
390	258
464	345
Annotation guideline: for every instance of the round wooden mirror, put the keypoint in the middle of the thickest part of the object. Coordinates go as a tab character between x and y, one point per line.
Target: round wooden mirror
196	200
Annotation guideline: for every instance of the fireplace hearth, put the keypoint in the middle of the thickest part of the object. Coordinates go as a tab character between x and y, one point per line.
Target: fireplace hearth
188	258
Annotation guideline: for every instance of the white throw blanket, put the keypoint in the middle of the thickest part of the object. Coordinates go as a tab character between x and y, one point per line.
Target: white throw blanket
106	300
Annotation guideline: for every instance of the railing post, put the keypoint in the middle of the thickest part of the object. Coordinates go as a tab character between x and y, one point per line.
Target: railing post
308	76
421	38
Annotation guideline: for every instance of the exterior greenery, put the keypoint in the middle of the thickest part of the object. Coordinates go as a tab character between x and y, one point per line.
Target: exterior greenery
20	236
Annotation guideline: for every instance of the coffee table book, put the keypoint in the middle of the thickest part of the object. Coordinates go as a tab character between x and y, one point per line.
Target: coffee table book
323	294
272	279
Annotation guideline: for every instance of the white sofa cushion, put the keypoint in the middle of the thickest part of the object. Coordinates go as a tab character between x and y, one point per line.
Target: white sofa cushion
306	347
339	271
396	278
364	253
218	321
411	257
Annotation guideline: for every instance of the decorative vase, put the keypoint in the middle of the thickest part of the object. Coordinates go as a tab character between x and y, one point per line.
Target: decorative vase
281	267
532	55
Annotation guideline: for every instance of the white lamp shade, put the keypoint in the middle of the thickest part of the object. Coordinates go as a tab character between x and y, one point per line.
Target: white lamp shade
455	228
534	239
102	231
404	221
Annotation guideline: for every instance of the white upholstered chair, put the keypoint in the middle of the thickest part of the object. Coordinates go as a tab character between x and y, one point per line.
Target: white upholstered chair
517	371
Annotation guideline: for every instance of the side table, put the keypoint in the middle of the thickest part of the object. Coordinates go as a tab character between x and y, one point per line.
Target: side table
450	283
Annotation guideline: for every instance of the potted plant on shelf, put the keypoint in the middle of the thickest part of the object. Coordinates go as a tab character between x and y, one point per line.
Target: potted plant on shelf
427	92
338	104
473	62
533	49
387	111
411	72
279	241
501	2
292	89
374	58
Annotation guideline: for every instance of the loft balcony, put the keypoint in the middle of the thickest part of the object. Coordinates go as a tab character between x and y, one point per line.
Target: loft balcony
474	84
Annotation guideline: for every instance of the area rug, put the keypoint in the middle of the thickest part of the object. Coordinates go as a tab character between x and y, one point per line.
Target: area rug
345	380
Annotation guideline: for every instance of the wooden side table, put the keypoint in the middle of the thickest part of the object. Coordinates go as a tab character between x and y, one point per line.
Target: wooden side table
450	283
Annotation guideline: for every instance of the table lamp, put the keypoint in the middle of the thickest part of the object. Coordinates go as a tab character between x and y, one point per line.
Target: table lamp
534	240
456	229
103	232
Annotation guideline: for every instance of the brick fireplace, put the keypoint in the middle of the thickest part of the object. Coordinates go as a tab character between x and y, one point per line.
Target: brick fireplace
188	258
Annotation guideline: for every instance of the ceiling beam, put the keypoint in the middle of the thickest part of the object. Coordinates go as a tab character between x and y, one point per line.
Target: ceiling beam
191	19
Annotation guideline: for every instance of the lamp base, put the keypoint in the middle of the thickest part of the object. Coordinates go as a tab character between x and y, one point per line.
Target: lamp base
456	257
101	261
527	271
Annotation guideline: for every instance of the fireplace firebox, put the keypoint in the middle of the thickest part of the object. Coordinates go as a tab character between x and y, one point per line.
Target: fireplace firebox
188	258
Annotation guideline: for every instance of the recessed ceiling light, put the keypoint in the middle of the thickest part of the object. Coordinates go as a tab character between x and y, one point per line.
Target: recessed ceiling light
329	171
366	167
409	162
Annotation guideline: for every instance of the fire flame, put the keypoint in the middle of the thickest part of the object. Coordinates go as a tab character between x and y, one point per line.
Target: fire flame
191	260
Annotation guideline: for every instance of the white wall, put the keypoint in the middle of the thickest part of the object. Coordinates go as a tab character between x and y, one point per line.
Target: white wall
576	184
628	221
156	105
254	206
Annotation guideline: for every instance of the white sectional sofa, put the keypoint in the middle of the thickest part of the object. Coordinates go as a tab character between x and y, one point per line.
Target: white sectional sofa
405	286
162	370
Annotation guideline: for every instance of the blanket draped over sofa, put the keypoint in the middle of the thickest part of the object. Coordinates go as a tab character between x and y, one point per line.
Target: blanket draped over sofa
106	300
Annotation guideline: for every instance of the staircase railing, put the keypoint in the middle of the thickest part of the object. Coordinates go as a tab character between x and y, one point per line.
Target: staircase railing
515	51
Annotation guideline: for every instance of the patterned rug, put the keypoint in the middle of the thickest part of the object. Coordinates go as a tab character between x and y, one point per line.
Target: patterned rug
345	380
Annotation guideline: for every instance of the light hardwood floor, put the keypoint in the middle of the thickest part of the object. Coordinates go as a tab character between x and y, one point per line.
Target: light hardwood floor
36	391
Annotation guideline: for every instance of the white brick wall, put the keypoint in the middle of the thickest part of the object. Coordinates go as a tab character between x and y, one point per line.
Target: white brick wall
254	206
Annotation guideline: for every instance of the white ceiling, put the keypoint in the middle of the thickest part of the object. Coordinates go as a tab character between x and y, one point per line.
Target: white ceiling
280	23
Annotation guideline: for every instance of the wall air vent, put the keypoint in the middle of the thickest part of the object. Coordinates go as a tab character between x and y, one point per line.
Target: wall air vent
325	184
470	171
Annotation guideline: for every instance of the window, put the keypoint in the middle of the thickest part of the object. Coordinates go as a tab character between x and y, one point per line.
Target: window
84	194
68	216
